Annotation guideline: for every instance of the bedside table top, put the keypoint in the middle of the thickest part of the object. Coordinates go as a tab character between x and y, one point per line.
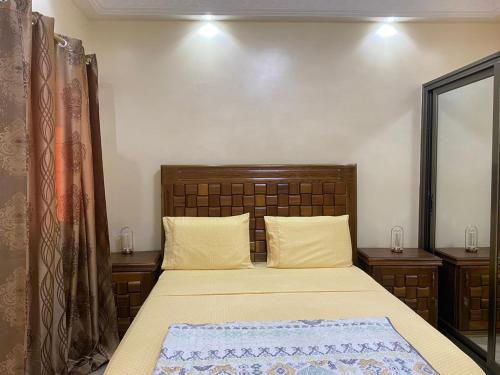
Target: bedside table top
138	261
458	255
385	257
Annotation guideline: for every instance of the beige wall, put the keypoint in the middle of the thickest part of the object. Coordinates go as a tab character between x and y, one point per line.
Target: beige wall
266	93
69	20
272	93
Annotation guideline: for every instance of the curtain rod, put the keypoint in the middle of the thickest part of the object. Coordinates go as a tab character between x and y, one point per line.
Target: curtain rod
59	38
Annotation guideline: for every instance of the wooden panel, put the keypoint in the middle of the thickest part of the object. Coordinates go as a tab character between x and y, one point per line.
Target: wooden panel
132	289
146	261
260	190
465	280
133	278
475	298
415	286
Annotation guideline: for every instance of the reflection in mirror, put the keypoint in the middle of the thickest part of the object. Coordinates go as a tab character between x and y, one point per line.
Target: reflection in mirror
463	204
463	183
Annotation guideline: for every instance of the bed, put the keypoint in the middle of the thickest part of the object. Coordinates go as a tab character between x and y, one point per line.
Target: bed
265	294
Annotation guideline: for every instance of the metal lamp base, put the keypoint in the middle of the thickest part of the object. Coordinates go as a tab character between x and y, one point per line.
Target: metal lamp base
471	249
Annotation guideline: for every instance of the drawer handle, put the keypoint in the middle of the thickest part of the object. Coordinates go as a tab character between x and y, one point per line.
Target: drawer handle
466	301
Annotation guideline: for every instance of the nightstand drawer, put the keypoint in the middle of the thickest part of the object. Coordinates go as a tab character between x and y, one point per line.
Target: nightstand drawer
130	287
131	290
411	276
473	311
411	279
416	287
466	277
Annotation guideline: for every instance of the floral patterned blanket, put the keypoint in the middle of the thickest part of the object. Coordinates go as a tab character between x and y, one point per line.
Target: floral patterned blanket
303	347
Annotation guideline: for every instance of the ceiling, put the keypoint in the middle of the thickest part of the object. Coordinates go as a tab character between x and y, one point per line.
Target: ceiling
474	10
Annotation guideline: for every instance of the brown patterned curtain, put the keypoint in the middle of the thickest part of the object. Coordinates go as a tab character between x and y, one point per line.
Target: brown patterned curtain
15	48
70	324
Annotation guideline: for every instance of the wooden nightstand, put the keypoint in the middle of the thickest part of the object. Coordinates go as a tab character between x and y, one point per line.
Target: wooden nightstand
465	278
412	276
133	278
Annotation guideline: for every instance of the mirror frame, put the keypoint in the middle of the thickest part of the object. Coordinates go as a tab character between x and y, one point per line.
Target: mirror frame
481	69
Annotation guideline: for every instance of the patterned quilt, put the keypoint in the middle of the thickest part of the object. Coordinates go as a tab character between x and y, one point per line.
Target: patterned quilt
303	347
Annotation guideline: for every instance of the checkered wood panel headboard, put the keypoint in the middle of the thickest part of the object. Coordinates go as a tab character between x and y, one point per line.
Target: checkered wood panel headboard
261	190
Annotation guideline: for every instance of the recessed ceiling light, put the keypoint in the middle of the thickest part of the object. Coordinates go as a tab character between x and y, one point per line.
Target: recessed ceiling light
386	31
208	17
208	31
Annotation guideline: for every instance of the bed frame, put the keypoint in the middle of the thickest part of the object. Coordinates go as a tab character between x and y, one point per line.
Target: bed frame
273	190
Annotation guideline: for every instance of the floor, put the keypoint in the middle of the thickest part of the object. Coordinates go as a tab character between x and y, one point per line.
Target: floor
100	371
482	341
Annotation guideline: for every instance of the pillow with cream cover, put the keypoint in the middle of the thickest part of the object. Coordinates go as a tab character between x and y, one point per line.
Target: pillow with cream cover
308	242
206	243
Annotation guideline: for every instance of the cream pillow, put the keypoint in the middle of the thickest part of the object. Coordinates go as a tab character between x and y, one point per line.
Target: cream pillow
308	242
206	243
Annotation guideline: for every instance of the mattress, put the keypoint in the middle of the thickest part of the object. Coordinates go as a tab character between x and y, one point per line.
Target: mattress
262	294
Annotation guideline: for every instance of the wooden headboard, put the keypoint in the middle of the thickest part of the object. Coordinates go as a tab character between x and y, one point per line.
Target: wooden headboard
273	190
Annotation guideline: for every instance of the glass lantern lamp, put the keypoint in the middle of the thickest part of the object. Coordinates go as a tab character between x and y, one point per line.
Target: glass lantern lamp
397	239
127	237
471	239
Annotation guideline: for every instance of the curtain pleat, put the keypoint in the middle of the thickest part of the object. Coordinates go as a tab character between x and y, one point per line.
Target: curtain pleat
107	324
47	340
91	315
15	51
71	153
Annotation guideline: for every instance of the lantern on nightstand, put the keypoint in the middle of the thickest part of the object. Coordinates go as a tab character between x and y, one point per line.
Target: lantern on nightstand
397	239
127	237
471	239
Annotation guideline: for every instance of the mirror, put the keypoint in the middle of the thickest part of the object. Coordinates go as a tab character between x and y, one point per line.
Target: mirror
462	198
459	206
463	183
